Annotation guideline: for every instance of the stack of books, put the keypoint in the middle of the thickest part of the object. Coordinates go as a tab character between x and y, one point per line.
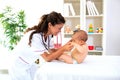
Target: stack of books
92	10
68	8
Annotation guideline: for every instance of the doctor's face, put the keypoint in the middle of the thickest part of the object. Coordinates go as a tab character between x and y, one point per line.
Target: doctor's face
54	30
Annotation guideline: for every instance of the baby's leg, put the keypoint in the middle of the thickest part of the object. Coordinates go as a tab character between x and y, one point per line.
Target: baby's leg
66	58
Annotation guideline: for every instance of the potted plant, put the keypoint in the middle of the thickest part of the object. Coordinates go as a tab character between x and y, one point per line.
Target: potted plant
13	24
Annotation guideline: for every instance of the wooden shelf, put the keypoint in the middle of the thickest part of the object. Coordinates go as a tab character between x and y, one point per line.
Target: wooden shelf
95	33
94	16
94	51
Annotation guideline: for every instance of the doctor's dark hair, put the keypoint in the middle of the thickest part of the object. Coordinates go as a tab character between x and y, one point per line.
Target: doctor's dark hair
53	18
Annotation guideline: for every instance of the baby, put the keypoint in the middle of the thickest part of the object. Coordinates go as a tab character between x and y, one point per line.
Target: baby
80	50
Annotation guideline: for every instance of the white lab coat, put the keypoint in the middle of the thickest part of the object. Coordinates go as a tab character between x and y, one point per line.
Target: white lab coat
23	66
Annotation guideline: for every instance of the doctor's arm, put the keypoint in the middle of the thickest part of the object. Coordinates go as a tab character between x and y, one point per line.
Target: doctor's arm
54	55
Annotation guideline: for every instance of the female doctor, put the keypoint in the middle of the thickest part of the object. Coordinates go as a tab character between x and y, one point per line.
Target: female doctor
37	43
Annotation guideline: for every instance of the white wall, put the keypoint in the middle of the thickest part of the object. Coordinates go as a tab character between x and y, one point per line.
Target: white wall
34	9
112	24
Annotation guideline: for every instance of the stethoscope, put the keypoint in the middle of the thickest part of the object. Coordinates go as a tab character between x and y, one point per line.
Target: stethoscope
43	41
45	45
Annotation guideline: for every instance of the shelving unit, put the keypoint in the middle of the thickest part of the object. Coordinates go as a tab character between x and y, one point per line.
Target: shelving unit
96	38
83	18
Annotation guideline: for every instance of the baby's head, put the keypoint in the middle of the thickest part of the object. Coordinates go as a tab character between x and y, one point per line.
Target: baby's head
80	37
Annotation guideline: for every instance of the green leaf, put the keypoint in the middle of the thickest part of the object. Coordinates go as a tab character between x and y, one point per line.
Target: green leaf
14	26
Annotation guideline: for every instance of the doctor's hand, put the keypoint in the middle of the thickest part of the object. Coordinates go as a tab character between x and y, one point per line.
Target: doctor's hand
68	46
